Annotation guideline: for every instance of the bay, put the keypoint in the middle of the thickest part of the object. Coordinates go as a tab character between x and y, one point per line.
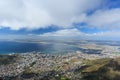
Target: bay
7	47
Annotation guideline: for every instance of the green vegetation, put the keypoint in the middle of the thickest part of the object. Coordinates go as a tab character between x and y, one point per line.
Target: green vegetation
94	65
63	78
32	64
7	59
27	70
102	69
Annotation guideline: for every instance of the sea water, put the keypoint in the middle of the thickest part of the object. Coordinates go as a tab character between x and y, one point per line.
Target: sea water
7	47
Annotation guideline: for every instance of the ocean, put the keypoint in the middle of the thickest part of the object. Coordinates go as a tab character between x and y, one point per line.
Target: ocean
7	47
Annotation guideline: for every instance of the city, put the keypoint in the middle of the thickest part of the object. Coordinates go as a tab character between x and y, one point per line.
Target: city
38	66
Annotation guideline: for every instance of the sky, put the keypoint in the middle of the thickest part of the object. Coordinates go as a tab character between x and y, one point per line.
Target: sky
80	19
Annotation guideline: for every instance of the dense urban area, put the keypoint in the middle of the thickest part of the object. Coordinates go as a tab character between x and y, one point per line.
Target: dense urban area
93	62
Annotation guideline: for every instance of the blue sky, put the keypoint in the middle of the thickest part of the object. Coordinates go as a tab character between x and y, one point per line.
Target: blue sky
89	19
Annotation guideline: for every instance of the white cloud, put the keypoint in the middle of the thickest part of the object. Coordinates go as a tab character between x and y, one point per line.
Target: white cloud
75	33
107	34
109	19
65	32
32	14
